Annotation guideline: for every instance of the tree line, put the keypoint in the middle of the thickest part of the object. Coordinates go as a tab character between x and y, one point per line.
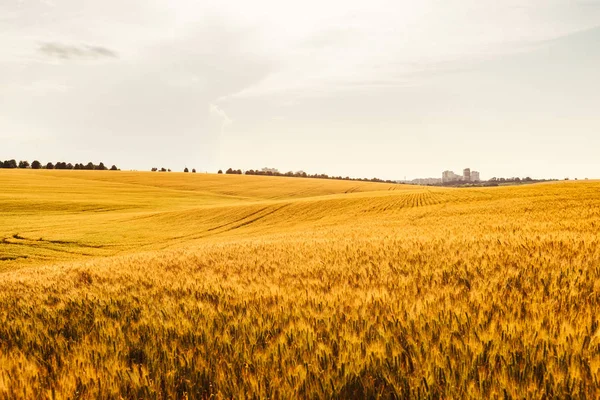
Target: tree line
494	182
11	164
186	169
301	174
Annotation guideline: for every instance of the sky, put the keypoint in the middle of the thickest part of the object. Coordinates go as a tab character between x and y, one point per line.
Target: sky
388	89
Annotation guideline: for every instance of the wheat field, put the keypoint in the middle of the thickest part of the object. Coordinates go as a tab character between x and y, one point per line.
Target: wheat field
146	285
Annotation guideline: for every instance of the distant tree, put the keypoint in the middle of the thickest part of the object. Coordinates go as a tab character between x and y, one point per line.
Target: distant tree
220	171
10	164
169	170
49	166
69	166
229	171
23	164
163	170
36	165
186	169
102	167
114	168
154	169
194	171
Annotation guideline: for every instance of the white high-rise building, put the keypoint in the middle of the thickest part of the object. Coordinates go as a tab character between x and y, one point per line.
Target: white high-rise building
467	175
449	176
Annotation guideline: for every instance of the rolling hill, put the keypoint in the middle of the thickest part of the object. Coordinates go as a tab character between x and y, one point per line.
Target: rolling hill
140	285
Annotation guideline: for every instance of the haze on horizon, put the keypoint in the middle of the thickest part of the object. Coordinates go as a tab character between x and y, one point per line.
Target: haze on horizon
390	89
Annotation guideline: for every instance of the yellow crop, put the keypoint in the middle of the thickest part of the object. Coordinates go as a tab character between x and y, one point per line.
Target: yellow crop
140	285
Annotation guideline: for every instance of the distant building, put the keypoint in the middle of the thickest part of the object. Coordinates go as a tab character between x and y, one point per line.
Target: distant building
450	176
467	175
426	181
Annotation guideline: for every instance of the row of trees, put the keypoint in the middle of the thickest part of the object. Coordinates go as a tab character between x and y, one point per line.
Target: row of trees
9	164
495	182
511	180
515	180
300	174
169	170
233	172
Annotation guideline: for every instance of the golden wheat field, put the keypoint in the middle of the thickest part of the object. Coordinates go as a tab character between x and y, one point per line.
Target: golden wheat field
147	285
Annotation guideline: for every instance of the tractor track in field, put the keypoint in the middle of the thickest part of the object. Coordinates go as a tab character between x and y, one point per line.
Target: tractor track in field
256	219
237	220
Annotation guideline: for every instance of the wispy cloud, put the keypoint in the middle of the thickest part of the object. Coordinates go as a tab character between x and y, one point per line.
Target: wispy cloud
72	52
218	112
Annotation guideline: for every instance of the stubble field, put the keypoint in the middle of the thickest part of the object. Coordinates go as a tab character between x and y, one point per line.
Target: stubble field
140	285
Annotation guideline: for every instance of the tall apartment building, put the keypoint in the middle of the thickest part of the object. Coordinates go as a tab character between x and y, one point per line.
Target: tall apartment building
450	176
467	175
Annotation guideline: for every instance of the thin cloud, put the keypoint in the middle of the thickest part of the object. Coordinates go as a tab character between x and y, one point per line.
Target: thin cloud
71	52
218	112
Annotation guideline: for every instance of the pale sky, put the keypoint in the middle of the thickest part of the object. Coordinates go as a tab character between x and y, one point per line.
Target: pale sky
390	89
